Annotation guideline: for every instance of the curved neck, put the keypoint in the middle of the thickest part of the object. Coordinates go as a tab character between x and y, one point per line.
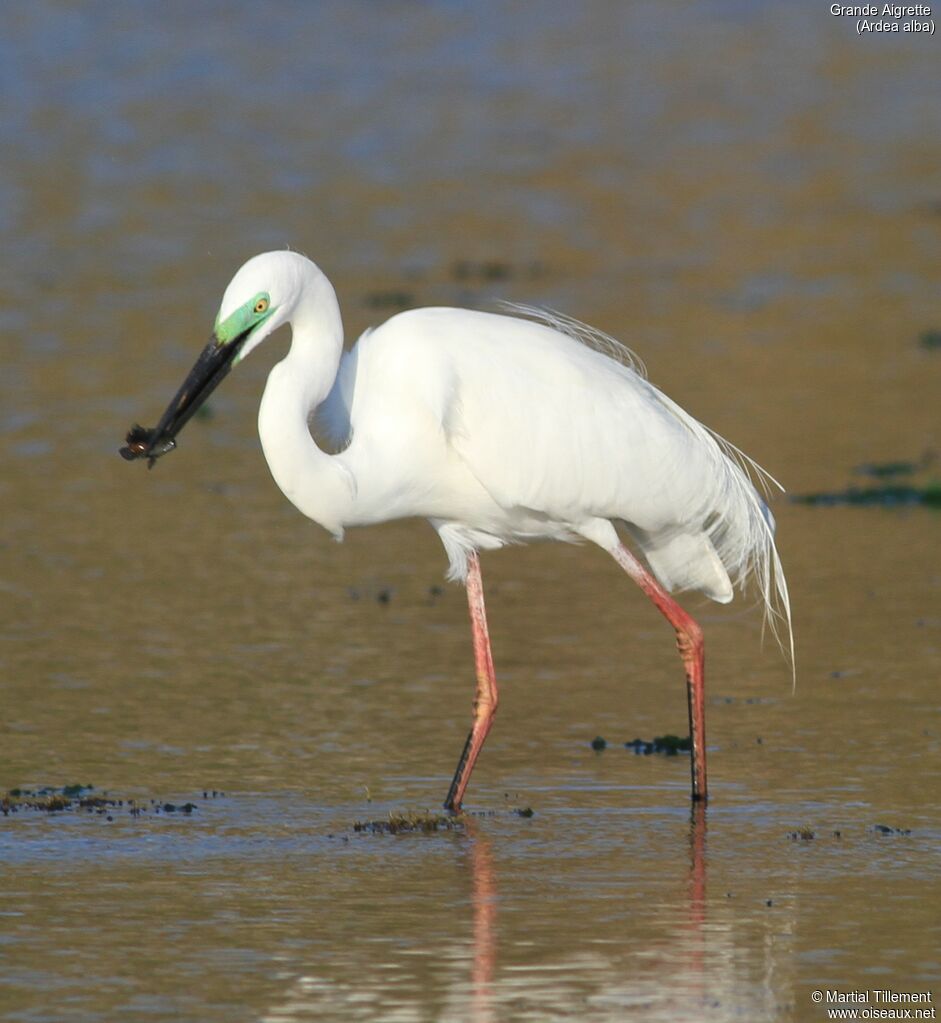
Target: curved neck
317	484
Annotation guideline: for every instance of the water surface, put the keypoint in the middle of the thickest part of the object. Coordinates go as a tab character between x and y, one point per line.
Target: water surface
745	194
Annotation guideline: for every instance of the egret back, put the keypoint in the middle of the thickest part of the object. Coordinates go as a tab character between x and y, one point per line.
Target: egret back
553	427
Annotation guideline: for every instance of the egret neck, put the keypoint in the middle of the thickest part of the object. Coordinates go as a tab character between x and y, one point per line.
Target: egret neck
316	483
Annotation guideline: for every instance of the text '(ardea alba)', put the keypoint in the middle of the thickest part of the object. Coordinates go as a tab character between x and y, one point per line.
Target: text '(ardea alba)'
498	429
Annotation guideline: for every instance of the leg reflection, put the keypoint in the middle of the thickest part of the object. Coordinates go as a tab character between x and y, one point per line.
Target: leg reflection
697	896
484	902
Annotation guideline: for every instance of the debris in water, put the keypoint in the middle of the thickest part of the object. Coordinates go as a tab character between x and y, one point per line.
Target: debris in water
391	298
75	790
485	270
669	745
406	822
886	470
78	797
897	486
469	271
889	496
173	808
884	829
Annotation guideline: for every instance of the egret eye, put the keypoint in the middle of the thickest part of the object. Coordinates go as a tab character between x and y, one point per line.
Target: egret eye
261	306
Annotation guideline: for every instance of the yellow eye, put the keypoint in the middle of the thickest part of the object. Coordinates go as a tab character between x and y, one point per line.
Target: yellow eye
261	306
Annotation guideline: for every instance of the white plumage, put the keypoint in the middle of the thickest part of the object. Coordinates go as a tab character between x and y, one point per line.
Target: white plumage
498	429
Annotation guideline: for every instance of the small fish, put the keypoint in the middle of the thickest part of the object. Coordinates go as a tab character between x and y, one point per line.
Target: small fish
142	443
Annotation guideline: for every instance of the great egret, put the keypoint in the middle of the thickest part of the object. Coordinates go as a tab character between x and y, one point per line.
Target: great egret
498	429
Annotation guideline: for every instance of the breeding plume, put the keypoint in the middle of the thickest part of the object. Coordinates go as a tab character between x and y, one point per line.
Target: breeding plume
498	429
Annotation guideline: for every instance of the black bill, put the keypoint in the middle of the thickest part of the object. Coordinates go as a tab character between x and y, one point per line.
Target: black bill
211	367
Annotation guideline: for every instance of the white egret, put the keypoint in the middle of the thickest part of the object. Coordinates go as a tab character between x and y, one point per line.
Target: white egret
498	429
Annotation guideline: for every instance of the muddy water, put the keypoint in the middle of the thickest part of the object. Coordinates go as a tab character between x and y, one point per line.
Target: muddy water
748	195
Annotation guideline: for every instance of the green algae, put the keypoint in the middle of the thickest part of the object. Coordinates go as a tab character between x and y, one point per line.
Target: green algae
409	821
77	798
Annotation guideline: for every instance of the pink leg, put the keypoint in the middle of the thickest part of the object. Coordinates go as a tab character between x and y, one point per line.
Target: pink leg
485	702
690	643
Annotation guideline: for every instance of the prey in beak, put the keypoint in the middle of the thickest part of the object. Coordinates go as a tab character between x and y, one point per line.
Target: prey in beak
217	358
211	367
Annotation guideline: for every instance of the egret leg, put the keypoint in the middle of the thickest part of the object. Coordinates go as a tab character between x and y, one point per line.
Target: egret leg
486	699
689	641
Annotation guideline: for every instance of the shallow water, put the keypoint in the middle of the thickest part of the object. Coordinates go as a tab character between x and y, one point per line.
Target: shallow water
748	196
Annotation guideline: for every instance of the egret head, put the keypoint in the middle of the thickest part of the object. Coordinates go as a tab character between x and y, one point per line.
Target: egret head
260	298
